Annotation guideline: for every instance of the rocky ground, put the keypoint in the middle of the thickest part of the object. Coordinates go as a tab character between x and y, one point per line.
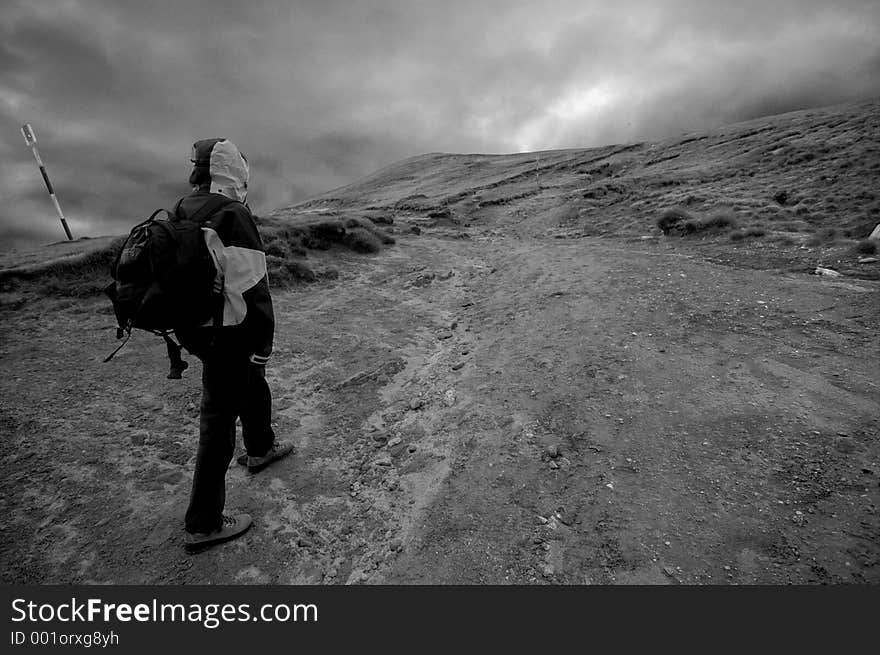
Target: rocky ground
504	397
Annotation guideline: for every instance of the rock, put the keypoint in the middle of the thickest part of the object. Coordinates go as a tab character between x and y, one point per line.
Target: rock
138	438
412	449
552	451
415	403
554	465
416	229
449	398
396	545
444	335
457	366
876	233
828	272
393	442
867	260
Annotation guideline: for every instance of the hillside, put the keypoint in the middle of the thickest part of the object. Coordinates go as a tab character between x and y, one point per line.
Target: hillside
808	180
531	385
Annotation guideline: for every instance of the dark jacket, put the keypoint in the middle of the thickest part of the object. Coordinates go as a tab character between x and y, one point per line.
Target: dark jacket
248	323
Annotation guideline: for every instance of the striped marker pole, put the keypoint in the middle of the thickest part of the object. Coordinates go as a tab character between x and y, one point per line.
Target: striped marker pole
31	140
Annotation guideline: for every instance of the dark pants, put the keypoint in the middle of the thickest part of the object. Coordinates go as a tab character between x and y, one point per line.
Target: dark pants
232	387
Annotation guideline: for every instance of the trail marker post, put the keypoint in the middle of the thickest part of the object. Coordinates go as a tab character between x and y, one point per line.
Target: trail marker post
31	140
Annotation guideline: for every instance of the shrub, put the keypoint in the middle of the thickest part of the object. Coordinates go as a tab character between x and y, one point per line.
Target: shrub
371	227
721	219
278	248
360	239
283	272
672	218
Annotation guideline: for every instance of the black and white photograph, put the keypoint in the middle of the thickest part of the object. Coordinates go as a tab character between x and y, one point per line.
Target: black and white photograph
417	293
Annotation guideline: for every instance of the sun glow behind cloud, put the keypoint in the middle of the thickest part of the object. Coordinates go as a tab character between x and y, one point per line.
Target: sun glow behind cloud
576	108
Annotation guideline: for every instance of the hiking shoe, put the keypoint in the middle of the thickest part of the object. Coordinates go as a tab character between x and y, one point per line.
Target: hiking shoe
233	526
278	450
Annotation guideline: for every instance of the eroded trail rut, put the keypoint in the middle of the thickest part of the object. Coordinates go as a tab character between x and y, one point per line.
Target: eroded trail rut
476	411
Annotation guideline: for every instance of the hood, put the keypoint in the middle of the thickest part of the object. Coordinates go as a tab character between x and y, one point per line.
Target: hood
219	165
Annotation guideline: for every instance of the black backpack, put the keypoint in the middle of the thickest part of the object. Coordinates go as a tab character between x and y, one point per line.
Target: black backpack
164	278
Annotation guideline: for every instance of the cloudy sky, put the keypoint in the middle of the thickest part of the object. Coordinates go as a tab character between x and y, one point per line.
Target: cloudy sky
318	93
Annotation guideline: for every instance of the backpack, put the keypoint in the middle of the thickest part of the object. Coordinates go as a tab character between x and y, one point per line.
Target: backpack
164	279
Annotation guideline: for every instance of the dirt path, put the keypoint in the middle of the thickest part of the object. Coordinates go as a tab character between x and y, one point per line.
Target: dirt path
481	410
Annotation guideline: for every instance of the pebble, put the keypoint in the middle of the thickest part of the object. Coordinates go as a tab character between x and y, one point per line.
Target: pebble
393	442
554	465
457	366
552	451
415	403
444	335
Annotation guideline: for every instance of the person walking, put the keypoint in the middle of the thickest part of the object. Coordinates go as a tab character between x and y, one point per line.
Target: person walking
234	348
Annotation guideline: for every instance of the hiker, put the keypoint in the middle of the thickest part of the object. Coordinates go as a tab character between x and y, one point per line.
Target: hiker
234	348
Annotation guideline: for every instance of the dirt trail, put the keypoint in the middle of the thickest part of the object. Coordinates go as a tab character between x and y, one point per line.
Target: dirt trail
483	410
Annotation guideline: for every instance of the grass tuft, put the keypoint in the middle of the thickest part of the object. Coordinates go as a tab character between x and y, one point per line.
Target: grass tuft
360	239
671	219
680	221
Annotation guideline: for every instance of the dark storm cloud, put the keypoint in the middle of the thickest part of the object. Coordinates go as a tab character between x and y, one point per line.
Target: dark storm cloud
319	93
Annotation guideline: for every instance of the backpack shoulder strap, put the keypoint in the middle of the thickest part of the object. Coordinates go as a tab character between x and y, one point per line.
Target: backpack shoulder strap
211	206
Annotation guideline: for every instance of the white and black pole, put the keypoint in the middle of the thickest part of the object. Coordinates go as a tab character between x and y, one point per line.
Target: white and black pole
31	140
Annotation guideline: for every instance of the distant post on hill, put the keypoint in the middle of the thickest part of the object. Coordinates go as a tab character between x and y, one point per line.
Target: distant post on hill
31	140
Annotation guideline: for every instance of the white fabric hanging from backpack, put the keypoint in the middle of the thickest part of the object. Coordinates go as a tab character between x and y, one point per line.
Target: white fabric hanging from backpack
241	269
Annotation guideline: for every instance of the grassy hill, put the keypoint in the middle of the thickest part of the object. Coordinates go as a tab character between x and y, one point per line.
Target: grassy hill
792	173
792	191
